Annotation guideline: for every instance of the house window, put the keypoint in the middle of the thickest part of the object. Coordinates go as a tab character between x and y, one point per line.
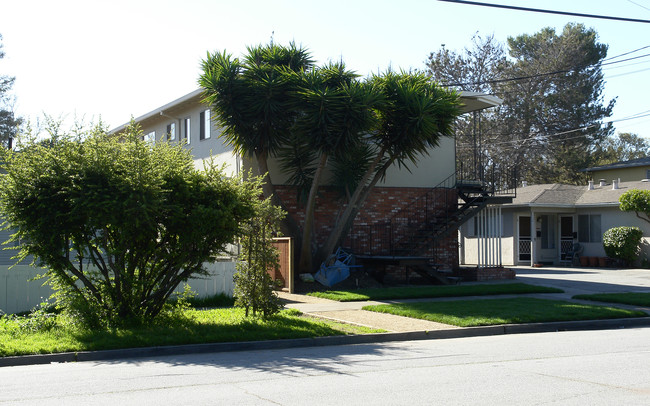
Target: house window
204	123
589	228
187	130
150	137
171	132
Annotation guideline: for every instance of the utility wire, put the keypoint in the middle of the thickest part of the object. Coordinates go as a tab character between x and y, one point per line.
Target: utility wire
539	10
637	4
539	75
627	53
539	136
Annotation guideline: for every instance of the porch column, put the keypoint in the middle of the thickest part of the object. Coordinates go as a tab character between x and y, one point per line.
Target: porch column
499	236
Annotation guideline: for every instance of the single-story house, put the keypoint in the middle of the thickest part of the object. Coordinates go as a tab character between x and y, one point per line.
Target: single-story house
544	221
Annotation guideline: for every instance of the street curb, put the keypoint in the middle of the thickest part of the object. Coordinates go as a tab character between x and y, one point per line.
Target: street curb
107	355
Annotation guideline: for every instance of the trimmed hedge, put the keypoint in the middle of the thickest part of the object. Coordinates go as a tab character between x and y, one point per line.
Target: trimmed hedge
623	243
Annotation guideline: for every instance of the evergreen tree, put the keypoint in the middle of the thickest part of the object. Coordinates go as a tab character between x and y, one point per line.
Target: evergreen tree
550	122
8	121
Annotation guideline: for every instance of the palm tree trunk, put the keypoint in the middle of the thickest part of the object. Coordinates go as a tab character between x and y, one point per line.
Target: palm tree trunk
288	227
354	205
305	264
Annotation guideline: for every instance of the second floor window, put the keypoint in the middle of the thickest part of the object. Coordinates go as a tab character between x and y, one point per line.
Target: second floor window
204	123
187	130
150	137
171	132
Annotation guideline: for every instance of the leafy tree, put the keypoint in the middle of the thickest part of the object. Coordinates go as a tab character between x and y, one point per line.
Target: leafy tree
637	201
623	243
621	147
550	122
254	288
8	121
118	224
478	68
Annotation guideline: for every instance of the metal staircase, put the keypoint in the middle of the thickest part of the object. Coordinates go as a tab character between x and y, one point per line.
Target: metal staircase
433	216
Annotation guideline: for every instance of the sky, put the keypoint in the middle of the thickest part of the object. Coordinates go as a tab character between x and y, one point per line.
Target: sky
80	59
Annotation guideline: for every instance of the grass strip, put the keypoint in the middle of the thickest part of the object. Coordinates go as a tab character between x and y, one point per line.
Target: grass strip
17	337
417	292
629	298
470	313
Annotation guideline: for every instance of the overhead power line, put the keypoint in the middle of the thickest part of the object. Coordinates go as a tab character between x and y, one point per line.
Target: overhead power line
539	136
637	4
539	10
538	75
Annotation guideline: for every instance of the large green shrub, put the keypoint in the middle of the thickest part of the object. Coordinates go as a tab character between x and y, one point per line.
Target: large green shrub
623	243
119	223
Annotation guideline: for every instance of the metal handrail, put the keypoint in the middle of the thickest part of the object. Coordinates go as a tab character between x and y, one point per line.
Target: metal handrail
432	213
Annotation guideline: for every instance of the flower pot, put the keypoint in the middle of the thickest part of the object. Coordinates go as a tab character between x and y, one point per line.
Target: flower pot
593	261
584	261
602	261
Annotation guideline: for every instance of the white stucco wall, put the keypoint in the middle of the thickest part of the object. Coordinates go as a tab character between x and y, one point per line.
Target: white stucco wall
429	171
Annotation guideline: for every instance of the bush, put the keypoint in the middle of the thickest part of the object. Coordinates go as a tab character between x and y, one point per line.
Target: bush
623	243
119	223
254	287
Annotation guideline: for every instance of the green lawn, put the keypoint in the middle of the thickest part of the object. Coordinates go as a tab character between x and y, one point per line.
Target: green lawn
469	313
19	337
432	292
630	298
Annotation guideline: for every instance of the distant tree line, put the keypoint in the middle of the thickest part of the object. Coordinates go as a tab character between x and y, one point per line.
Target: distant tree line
551	122
8	121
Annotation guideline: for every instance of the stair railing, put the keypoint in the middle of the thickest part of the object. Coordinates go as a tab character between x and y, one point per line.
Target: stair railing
433	214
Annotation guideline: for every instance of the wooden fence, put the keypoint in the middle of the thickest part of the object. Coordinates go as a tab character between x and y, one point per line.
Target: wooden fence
285	274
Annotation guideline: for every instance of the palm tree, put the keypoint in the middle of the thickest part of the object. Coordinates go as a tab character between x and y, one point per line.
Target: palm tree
336	111
413	115
252	99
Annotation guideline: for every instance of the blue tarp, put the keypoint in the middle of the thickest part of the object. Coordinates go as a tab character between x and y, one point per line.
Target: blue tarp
333	274
335	269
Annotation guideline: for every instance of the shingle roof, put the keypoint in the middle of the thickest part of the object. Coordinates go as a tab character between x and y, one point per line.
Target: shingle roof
561	195
618	165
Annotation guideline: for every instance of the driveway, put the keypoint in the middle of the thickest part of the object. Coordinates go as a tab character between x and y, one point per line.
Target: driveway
576	281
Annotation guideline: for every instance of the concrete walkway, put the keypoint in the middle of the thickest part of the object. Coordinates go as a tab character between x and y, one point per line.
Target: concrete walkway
573	281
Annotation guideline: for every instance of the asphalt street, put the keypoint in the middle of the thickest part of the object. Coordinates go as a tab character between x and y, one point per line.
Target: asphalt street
582	367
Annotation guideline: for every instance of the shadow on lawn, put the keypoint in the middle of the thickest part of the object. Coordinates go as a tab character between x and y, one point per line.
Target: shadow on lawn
188	331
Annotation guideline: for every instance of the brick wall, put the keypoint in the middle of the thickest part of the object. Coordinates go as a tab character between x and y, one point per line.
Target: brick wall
369	226
486	274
